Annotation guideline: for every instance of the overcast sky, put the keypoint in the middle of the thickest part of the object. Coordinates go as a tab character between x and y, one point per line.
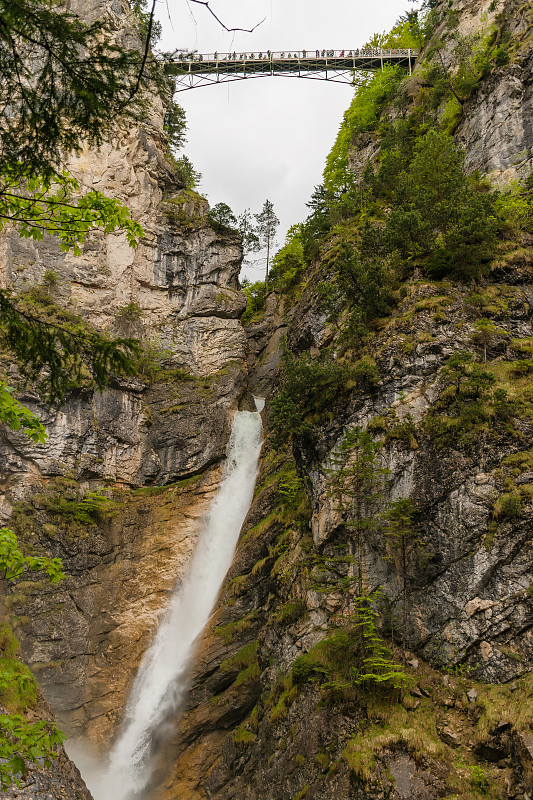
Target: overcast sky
268	137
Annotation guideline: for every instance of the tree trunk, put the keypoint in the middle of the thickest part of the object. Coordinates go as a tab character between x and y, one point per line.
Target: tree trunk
404	575
268	259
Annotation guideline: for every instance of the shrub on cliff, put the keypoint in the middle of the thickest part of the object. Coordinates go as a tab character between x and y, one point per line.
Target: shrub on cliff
21	741
441	213
310	386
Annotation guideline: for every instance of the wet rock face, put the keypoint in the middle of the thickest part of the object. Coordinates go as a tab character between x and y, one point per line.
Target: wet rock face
469	580
85	638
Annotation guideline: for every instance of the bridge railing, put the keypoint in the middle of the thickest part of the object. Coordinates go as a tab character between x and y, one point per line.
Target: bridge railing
300	55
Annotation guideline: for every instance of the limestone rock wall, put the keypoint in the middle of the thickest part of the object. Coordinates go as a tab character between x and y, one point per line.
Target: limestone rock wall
255	727
496	129
167	426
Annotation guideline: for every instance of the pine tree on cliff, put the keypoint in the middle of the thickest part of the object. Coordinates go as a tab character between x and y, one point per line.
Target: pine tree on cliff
267	225
355	486
403	538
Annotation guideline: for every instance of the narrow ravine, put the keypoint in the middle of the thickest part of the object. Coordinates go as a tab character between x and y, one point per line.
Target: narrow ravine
160	684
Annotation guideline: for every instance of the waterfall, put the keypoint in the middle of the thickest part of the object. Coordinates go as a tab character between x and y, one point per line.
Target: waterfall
160	684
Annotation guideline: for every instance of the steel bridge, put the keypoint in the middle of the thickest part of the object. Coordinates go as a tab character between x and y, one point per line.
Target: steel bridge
192	69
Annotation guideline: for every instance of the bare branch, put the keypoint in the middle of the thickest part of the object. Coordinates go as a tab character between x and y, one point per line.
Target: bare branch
229	30
146	51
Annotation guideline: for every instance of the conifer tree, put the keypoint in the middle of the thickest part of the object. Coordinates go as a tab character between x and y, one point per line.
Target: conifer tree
267	225
355	485
403	536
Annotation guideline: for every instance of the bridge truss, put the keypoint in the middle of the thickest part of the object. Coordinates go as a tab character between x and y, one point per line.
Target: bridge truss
193	70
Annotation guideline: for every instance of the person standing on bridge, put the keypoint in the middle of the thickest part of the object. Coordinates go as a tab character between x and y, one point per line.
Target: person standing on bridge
303	54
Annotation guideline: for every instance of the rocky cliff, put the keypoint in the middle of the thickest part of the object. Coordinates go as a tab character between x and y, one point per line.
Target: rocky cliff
275	710
178	292
277	707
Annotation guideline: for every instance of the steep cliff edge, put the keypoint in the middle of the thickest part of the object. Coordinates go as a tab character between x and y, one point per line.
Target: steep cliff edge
94	493
290	696
278	707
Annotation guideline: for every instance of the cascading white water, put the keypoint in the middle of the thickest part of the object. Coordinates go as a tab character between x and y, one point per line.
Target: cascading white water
160	683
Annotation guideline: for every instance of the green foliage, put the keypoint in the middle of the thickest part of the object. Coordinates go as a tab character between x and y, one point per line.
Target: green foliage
50	278
365	371
515	208
186	172
175	125
249	235
288	263
38	206
267	224
243	736
478	777
13	562
89	509
373	93
56	350
471	402
308	668
458	368
377	667
141	10
440	213
131	312
266	227
407	32
256	299
233	629
246	656
474	55
523	367
290	612
222	217
23	743
9	645
351	657
63	83
508	506
467	377
18	417
365	287
309	388
18	690
484	332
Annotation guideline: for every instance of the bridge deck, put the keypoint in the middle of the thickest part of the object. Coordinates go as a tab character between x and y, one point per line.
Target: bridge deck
297	62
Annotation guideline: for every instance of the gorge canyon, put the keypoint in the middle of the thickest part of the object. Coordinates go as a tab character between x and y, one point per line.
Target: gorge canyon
278	704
